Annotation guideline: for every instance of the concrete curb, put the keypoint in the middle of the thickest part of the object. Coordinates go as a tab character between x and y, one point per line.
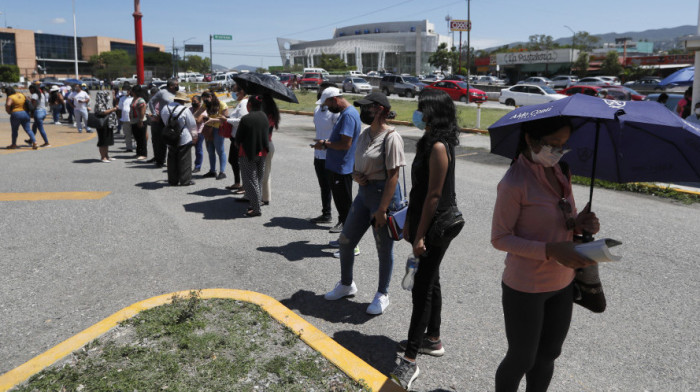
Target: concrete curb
349	363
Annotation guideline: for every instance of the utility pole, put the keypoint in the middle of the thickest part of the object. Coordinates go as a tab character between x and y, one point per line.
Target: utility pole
139	41
75	42
469	31
211	59
174	59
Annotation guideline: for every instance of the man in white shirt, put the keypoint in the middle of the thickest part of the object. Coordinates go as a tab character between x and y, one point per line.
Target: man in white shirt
324	120
124	107
234	119
180	157
80	100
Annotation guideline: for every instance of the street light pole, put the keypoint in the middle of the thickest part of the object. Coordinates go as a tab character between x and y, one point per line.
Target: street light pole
184	49
469	31
75	42
573	43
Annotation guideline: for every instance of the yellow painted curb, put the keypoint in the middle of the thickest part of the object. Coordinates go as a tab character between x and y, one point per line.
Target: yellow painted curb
348	362
36	196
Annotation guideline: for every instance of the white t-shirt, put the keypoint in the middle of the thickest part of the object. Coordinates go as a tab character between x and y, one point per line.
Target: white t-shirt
125	106
234	117
40	102
81	96
324	120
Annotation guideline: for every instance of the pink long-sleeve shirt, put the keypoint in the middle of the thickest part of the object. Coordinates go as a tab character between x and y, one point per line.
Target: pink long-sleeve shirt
526	217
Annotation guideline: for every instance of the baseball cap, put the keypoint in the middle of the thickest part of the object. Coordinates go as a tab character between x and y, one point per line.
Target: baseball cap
371	98
330	92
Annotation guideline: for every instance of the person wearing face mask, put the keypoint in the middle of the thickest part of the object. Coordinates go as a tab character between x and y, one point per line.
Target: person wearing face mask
433	191
535	221
695	117
340	151
379	157
324	120
234	119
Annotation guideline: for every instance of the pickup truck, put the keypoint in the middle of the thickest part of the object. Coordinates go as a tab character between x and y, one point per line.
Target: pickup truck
119	81
311	80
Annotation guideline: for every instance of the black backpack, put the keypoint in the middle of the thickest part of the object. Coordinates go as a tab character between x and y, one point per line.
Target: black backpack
172	130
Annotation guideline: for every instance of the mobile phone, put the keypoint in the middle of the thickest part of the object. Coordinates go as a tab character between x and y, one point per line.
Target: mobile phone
312	144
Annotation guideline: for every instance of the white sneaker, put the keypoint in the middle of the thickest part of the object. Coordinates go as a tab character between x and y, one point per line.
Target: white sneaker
336	254
379	303
340	291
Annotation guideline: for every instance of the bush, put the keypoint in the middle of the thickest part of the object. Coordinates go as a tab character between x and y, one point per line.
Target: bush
9	73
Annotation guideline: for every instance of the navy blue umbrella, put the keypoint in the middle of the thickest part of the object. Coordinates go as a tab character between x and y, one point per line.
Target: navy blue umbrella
619	141
683	77
72	81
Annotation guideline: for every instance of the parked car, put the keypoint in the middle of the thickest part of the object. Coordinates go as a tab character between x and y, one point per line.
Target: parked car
407	86
564	81
619	93
207	77
537	81
287	79
613	80
490	80
458	91
460	78
634	96
593	81
356	85
672	100
373	74
528	94
221	82
91	83
311	80
578	89
354	74
118	82
647	82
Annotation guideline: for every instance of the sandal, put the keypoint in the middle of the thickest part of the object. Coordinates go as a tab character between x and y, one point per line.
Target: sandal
234	187
239	192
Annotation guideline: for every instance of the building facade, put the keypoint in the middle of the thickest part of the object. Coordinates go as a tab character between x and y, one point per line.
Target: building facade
40	54
398	47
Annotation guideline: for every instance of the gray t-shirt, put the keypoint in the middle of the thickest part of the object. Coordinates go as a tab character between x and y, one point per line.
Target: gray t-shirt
159	101
370	157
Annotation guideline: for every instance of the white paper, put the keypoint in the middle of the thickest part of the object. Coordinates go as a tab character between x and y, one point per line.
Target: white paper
599	250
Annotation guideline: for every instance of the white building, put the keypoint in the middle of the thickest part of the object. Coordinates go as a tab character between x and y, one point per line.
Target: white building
398	47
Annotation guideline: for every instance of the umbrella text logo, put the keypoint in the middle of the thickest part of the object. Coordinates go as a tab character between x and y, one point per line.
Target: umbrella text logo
534	113
615	104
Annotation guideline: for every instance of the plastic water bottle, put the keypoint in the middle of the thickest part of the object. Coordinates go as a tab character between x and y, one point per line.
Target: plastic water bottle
411	268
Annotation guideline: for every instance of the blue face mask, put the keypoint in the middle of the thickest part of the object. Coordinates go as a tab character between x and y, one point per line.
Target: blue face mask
418	120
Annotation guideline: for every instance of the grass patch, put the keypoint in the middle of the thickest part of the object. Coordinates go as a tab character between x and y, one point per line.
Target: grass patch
195	345
648	189
466	116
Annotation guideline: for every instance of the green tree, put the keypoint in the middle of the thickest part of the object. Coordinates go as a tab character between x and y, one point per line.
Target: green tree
611	64
635	72
580	66
584	41
540	42
160	63
261	70
9	73
196	63
442	58
112	64
332	62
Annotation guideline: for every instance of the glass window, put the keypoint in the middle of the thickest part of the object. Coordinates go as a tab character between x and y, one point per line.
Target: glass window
9	52
59	47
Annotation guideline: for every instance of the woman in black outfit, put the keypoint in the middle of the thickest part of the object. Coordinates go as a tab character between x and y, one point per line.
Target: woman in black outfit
253	138
433	191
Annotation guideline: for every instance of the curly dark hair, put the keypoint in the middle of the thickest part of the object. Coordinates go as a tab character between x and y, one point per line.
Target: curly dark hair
440	116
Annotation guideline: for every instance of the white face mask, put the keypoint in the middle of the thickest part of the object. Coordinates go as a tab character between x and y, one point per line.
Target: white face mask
697	112
548	157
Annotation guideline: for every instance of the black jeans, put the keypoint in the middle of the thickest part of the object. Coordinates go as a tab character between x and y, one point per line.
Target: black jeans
324	183
341	188
233	160
180	164
139	134
427	299
159	147
536	327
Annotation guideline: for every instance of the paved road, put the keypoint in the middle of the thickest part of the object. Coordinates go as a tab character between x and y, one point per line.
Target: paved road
68	264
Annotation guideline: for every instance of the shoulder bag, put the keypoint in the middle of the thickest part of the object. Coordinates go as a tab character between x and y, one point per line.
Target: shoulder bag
396	217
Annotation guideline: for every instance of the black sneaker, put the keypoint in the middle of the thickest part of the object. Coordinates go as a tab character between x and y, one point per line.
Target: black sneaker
221	176
210	174
322	219
196	170
337	228
405	373
427	347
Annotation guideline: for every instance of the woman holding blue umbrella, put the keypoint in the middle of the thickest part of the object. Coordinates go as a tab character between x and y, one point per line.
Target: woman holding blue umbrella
535	221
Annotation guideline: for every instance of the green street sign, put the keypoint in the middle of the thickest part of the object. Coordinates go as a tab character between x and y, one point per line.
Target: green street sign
223	37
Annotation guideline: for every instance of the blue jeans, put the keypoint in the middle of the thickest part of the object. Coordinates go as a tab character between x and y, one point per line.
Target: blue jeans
39	116
199	152
21	118
356	224
216	147
56	112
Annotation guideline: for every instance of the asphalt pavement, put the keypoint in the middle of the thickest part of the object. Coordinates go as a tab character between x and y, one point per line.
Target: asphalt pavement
68	264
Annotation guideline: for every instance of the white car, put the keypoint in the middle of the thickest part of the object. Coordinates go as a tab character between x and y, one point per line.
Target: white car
354	74
528	94
537	80
490	80
357	85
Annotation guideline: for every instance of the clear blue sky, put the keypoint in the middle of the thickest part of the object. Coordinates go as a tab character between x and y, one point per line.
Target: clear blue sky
256	24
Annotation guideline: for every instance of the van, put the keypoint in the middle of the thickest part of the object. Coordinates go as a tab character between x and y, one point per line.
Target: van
317	70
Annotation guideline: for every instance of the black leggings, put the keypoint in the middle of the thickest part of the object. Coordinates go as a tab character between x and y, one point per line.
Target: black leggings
233	160
536	327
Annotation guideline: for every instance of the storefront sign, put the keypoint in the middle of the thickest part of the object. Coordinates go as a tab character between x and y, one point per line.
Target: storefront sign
538	57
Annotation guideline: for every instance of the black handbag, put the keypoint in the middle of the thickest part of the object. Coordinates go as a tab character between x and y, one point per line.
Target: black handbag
95	121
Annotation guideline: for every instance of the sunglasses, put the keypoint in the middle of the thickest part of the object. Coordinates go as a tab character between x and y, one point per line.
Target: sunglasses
566	209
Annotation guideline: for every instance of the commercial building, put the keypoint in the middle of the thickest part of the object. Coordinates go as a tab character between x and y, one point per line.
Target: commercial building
518	65
398	47
40	54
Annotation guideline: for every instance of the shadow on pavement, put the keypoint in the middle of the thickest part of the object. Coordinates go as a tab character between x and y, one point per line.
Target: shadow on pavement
378	351
299	250
211	192
151	186
89	160
340	311
225	208
291	223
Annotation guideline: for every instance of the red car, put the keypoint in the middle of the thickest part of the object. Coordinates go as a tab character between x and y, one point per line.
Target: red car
457	90
207	77
620	93
311	80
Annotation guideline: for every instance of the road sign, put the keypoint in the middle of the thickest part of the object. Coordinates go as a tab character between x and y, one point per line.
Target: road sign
194	48
223	37
460	25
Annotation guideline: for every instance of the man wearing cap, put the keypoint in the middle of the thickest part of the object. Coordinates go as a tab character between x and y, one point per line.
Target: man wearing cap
180	157
162	99
80	100
340	151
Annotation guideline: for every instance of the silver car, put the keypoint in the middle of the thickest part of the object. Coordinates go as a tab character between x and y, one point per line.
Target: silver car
537	80
356	85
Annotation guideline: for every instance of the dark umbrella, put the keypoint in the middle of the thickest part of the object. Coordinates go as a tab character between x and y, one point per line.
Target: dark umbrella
259	84
619	141
72	81
683	77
